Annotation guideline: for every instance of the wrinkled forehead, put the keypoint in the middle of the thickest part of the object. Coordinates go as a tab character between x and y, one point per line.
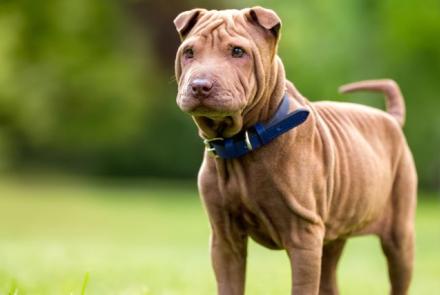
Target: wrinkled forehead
221	26
230	21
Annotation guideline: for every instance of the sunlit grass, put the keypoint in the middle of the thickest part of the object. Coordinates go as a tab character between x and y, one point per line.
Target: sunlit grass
78	237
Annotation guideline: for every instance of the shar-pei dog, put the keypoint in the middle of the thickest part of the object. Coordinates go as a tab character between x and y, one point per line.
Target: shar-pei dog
289	173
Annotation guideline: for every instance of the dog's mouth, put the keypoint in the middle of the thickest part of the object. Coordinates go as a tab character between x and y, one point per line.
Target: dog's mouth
219	126
214	117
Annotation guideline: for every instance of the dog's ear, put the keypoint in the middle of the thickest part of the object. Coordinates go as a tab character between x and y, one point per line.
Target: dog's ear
266	18
186	20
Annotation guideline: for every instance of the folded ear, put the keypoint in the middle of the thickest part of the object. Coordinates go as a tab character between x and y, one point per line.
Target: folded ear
266	18
186	20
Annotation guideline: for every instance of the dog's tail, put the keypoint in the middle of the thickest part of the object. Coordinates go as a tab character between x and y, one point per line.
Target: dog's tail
395	103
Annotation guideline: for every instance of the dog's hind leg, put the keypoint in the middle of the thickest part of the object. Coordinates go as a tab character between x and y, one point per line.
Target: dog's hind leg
397	238
330	256
399	252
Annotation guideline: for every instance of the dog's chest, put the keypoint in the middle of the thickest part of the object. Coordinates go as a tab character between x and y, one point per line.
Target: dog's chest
245	203
261	230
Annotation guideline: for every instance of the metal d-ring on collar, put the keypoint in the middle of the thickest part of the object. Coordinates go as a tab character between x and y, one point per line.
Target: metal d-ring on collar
258	135
247	140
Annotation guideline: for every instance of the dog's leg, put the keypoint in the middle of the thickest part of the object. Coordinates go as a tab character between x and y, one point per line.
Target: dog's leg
305	253
399	255
229	261
229	237
398	238
330	257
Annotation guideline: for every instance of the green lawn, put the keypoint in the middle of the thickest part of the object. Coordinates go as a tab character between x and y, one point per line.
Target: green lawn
153	239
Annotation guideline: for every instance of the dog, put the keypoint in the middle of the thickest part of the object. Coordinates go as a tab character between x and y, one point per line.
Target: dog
289	173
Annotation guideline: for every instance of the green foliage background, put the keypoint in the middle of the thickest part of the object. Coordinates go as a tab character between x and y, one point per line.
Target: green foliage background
87	85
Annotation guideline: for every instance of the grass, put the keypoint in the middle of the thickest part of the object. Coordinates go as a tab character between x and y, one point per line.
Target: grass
85	282
153	239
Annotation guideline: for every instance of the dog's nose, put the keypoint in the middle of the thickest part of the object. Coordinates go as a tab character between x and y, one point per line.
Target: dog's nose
201	88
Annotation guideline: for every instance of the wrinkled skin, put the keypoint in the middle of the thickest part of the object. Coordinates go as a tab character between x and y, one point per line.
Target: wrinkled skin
239	83
346	171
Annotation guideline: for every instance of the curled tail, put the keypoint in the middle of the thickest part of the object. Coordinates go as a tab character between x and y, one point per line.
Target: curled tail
395	103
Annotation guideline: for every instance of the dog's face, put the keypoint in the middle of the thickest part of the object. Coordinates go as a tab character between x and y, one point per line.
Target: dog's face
222	65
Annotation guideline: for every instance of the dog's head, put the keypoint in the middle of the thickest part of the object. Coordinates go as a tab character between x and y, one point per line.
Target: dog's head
223	65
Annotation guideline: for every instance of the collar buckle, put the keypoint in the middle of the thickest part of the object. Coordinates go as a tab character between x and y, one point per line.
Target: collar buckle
209	147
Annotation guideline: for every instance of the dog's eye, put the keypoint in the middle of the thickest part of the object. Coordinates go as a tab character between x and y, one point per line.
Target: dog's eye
188	53
238	52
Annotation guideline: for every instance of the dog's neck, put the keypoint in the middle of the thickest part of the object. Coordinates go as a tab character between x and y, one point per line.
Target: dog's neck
267	101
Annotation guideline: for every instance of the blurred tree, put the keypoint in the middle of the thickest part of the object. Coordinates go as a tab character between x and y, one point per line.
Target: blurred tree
72	84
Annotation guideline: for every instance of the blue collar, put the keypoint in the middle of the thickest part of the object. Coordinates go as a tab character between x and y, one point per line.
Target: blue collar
258	135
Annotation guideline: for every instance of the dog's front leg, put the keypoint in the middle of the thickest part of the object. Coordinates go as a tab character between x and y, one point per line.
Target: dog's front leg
228	238
228	253
305	251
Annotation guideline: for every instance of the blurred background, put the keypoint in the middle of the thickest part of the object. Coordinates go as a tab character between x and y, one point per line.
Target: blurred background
96	160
